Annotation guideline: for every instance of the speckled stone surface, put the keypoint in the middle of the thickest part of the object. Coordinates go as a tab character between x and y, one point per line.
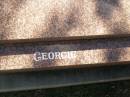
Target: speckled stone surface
39	19
89	53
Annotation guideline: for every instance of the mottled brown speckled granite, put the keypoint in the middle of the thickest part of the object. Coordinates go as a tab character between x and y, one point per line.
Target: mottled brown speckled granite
41	19
89	53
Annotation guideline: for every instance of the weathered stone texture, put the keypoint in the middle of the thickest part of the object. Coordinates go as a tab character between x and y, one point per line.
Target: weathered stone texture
40	19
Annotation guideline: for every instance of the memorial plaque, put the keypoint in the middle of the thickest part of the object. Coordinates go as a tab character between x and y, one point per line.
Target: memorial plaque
54	55
22	20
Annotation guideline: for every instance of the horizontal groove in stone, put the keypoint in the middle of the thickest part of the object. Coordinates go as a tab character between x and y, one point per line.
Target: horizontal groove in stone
89	53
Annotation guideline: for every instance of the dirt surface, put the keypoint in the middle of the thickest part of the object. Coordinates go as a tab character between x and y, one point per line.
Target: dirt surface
111	89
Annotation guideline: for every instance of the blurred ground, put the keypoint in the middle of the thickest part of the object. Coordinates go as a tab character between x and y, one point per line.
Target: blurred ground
111	89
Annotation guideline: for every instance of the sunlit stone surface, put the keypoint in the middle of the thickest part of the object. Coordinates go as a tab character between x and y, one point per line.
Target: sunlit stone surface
41	19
